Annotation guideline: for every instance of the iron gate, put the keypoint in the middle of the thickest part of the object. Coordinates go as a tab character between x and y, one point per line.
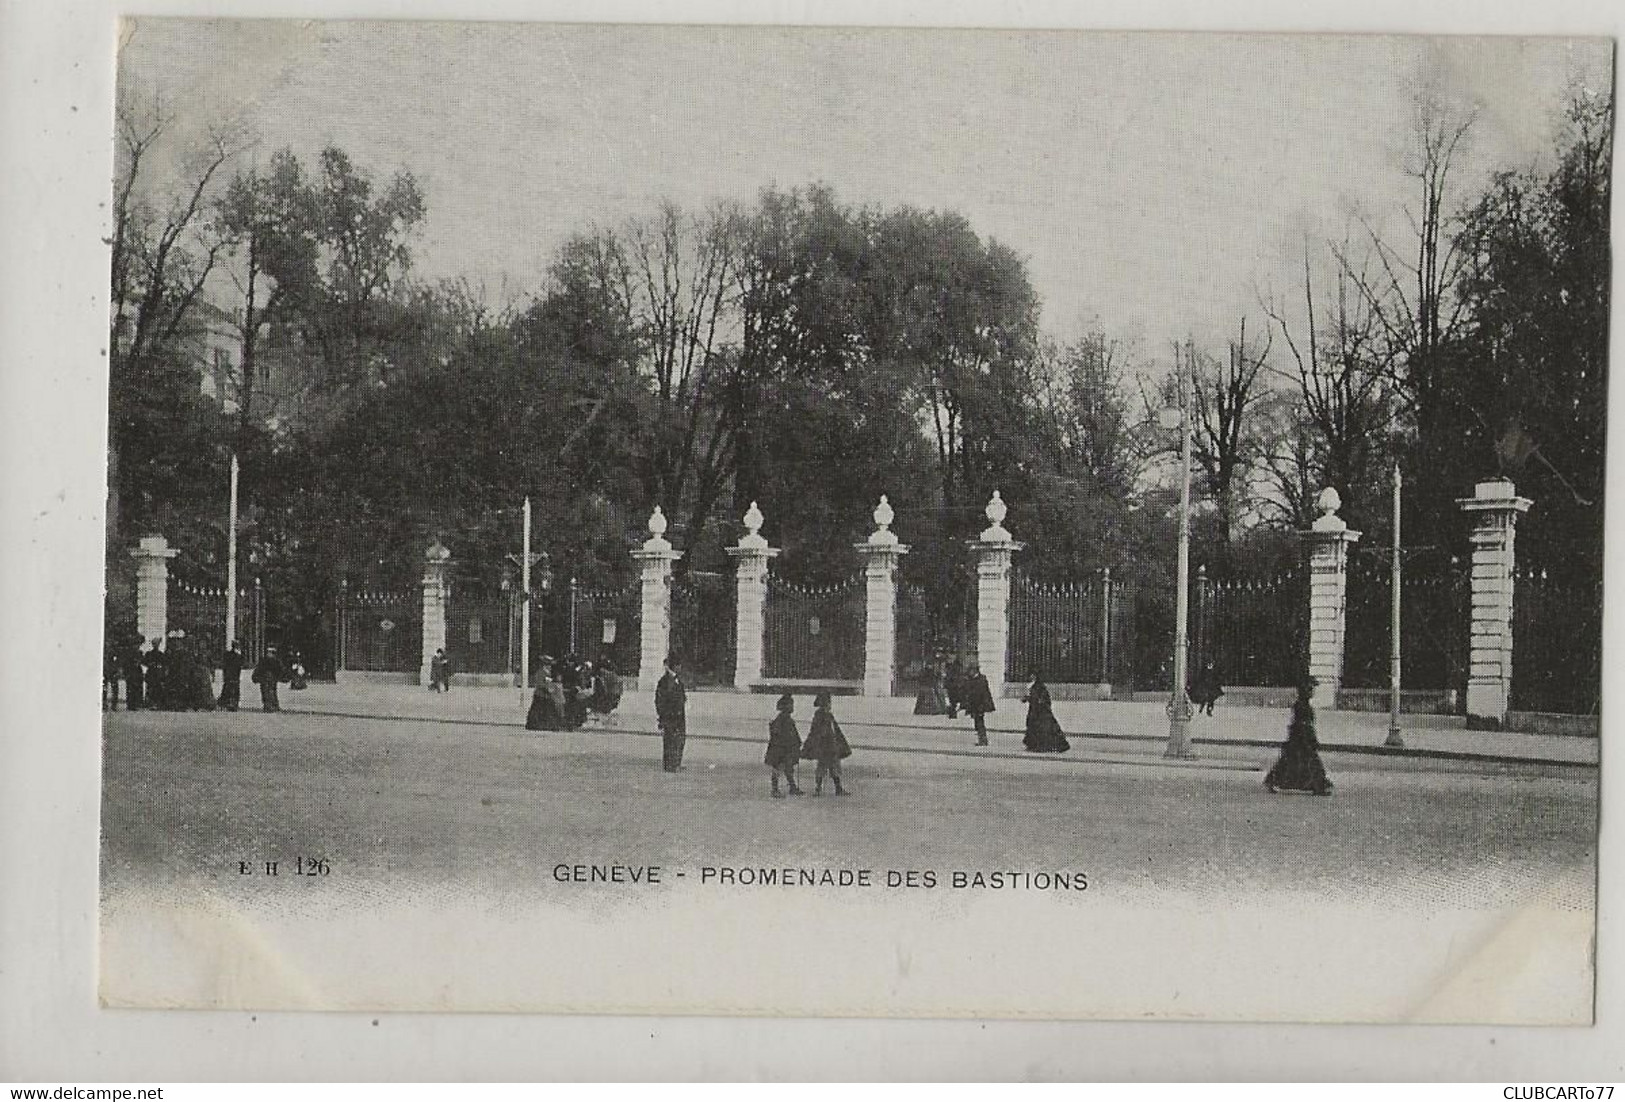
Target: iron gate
1252	628
379	630
813	632
200	612
702	626
1068	632
1556	644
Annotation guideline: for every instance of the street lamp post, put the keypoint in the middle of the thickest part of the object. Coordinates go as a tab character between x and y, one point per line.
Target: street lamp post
1179	702
1397	577
525	560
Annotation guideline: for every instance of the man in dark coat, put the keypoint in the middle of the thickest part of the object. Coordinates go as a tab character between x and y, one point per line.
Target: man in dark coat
156	661
231	678
266	675
671	710
134	678
1205	689
978	701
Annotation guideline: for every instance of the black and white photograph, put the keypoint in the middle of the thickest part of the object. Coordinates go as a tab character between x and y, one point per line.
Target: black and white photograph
854	521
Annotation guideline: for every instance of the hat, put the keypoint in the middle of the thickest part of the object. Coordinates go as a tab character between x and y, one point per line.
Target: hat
673	661
786	702
821	700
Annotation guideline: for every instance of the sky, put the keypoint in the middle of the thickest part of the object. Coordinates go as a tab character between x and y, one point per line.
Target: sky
1157	184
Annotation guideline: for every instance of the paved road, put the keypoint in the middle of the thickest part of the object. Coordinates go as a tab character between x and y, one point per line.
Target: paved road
468	796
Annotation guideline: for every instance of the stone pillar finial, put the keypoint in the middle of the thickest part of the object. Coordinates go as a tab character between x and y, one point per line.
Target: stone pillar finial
655	557
436	599
1494	509
994	552
1329	539
751	556
152	557
995	512
657	532
881	554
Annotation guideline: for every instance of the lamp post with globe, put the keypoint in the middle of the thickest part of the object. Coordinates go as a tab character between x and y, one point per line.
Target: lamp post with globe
1179	702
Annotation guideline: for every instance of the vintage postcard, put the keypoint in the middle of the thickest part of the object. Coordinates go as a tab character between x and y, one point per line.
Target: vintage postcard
764	520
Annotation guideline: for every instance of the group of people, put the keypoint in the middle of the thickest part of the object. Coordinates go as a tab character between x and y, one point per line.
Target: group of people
825	745
170	675
174	675
570	692
951	687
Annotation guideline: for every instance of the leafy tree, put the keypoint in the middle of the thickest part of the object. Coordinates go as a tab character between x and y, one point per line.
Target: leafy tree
1534	359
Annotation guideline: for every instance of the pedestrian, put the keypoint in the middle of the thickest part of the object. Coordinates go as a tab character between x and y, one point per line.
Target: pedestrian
826	745
296	671
266	675
110	676
1299	768
575	677
546	701
671	711
1044	735
134	677
231	678
1205	689
978	701
783	746
953	685
155	661
197	678
933	696
606	688
437	670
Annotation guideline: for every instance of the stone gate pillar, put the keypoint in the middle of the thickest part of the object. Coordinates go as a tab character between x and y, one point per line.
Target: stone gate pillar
436	596
993	551
881	553
654	640
750	581
1329	539
1494	508
152	557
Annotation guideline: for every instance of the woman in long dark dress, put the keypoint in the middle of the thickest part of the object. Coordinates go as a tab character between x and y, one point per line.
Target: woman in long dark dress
826	745
546	702
933	697
1299	768
1044	735
783	746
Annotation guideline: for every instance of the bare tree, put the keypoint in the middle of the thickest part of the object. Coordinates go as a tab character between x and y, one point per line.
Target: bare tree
1343	370
1225	393
1410	296
163	252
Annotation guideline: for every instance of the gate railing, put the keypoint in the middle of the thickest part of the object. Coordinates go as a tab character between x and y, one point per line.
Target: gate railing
379	630
1251	627
813	632
200	612
1068	632
1435	600
702	626
608	622
1556	644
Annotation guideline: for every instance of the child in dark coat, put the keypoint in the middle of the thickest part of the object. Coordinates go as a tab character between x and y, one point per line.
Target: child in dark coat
783	746
826	745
